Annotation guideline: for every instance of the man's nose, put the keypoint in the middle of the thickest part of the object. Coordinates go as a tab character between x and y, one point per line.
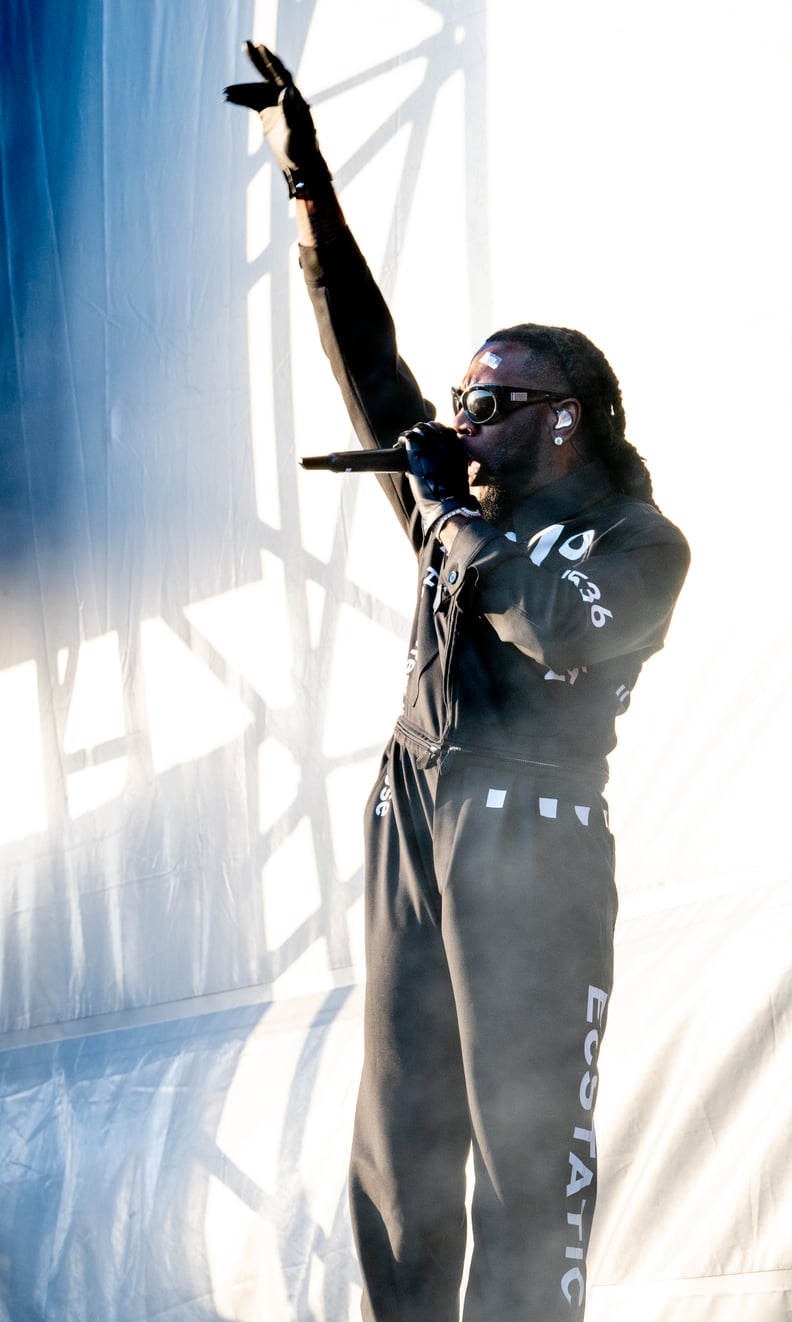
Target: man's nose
463	426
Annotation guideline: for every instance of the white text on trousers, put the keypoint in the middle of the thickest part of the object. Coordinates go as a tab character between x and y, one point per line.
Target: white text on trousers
583	1155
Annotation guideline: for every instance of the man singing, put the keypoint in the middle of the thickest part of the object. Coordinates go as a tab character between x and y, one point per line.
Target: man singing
546	577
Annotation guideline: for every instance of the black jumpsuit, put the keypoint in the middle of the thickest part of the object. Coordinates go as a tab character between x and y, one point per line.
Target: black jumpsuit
490	899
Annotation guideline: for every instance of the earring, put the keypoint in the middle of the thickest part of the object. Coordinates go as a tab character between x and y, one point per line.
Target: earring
558	440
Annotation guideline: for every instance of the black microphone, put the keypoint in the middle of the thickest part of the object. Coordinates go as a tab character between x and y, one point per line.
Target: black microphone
359	461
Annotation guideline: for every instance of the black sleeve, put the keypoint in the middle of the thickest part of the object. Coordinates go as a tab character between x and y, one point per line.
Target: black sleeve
619	600
357	333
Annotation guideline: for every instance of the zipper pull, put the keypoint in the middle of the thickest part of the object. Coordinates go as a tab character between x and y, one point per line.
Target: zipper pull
428	757
447	757
441	596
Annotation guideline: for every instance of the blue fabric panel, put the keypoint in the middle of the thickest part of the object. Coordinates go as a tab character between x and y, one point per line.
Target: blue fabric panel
110	1145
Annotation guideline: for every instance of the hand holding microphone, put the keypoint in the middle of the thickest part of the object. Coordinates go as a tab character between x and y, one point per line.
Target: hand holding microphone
437	471
430	454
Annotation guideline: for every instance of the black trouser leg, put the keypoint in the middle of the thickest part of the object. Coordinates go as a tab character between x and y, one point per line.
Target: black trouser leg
412	1131
490	912
528	909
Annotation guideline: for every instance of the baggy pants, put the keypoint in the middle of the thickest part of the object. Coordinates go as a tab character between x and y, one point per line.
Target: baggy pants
490	908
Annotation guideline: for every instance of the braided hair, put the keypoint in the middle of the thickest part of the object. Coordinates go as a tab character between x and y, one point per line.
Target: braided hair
591	379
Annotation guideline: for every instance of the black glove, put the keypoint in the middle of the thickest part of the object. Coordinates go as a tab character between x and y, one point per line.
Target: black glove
438	471
287	121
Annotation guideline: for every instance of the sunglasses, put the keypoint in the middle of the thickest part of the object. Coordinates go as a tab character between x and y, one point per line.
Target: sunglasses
483	404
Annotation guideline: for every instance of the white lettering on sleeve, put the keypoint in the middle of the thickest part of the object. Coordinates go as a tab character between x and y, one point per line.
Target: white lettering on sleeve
543	542
577	546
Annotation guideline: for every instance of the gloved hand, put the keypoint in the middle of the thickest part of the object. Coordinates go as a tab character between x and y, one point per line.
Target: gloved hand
437	472
287	121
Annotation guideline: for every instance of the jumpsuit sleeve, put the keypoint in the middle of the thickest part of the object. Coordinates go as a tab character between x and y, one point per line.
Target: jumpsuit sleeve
617	601
357	333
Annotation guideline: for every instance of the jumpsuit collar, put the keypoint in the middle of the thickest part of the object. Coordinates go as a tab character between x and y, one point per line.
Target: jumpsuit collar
563	499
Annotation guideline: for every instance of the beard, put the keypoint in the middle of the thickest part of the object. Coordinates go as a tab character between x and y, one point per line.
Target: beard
497	502
501	493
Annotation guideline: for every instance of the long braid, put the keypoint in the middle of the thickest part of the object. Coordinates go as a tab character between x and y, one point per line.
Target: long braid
590	379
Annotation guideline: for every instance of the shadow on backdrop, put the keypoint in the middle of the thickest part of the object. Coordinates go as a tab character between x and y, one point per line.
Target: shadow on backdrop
164	676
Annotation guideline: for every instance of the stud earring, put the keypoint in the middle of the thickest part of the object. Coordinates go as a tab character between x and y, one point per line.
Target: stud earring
558	440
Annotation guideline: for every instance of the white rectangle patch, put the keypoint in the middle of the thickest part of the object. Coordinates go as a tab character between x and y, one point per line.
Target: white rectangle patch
490	359
548	807
582	814
496	798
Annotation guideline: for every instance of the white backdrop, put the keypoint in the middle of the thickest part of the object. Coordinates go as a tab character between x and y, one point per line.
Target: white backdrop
187	737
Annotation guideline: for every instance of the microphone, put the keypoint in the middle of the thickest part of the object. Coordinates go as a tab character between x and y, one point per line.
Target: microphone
359	461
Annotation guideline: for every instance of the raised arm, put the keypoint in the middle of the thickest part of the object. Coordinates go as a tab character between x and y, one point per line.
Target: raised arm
356	329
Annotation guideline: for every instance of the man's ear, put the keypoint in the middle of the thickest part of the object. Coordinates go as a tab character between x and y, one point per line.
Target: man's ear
568	413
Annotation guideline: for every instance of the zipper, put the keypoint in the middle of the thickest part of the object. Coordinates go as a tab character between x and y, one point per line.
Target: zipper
432	749
494	755
438	751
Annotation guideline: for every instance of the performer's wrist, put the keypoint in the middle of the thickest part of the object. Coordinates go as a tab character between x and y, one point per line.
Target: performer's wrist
319	217
448	525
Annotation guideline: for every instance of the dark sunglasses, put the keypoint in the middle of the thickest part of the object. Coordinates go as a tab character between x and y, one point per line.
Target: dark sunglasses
482	404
